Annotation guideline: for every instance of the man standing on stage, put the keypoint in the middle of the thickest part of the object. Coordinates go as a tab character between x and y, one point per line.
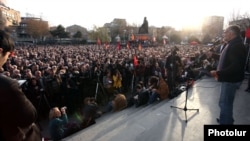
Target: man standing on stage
230	72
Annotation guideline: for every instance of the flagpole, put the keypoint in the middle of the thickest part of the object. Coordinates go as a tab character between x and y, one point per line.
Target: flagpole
132	83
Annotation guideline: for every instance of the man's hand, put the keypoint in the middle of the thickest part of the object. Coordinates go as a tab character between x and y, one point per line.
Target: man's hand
209	54
214	74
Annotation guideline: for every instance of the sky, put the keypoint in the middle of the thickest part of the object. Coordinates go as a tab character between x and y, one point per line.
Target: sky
89	13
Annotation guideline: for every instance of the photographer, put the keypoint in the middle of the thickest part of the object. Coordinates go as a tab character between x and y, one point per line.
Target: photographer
108	84
70	91
90	112
53	86
84	79
98	72
33	92
58	120
173	66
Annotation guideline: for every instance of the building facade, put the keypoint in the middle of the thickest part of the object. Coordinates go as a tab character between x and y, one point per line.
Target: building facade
12	16
213	26
24	35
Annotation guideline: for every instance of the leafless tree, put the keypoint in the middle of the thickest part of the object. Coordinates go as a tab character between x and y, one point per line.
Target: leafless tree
2	21
243	20
37	28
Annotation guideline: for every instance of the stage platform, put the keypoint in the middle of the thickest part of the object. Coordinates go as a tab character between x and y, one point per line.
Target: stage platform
160	122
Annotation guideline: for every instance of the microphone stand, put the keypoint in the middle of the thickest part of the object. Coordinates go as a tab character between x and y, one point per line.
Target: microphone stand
189	84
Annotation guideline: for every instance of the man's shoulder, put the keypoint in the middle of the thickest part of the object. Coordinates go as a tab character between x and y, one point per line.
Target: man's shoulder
6	81
237	47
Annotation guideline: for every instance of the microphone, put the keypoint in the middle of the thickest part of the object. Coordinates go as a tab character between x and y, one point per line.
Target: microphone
217	41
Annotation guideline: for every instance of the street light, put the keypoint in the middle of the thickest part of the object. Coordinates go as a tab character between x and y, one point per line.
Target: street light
124	31
117	38
109	36
131	34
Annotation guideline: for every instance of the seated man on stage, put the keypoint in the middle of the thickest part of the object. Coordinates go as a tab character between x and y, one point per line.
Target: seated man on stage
140	98
158	88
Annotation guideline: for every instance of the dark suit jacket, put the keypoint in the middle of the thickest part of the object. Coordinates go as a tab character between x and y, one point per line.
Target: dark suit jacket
16	111
233	68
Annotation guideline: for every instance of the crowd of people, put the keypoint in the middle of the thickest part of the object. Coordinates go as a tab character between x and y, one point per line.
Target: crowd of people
67	75
41	81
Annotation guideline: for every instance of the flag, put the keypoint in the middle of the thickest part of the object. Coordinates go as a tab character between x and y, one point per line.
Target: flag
154	39
247	34
135	61
132	37
98	41
139	47
128	45
118	45
106	45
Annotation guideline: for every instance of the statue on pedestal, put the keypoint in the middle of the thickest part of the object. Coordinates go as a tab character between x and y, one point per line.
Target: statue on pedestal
144	27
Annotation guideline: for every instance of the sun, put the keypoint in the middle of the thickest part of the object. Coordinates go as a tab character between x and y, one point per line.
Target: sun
191	20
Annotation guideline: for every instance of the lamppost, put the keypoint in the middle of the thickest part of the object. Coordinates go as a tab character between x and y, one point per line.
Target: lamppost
124	31
169	36
109	36
131	34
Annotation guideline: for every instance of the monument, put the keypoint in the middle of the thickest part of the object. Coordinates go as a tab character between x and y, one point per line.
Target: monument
143	37
143	34
3	2
144	27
